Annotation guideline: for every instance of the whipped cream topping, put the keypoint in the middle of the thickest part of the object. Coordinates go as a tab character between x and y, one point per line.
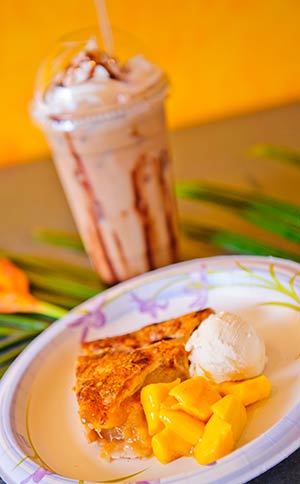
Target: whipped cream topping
94	80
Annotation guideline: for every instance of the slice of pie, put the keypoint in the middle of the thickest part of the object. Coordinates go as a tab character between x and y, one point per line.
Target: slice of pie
110	373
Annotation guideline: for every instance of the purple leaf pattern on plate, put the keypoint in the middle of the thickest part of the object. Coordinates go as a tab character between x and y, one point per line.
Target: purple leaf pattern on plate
198	287
93	319
37	476
150	306
153	481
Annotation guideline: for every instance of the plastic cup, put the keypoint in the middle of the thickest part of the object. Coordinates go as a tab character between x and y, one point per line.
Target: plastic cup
115	166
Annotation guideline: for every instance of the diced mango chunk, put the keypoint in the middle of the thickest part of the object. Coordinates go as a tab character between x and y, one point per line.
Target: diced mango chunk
168	446
217	441
187	427
176	414
151	397
231	409
196	397
171	403
248	391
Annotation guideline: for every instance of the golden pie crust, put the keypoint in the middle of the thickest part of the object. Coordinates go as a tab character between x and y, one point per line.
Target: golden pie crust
110	373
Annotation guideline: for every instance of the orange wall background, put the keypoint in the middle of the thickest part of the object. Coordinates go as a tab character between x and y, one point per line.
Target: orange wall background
223	56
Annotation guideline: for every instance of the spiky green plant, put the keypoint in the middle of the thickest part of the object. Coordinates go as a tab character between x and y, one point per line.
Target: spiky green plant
61	287
64	285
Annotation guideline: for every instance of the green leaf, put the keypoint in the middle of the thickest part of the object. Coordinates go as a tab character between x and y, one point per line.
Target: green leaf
274	225
61	285
19	321
9	354
234	242
17	338
51	310
44	265
57	299
4	368
239	200
218	194
280	153
60	238
7	330
273	215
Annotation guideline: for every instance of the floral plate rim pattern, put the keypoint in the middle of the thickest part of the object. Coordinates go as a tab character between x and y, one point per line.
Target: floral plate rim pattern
199	275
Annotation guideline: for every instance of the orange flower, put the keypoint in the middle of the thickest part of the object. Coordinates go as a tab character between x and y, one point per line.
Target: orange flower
15	296
11	302
12	278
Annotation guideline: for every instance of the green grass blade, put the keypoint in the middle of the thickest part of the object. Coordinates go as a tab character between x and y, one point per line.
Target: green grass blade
60	238
47	309
245	245
18	321
278	217
57	299
274	225
7	330
196	231
279	153
44	265
234	242
61	285
3	369
17	338
7	355
239	200
286	212
211	193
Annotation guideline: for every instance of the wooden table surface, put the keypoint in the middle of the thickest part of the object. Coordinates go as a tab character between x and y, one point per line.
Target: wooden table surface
31	197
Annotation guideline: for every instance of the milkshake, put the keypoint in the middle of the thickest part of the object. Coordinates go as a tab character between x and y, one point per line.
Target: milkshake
105	123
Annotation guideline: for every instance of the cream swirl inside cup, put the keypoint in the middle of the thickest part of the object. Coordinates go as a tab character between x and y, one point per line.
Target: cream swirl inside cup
94	79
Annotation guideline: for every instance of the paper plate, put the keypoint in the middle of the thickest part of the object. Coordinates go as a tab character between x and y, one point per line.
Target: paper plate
41	437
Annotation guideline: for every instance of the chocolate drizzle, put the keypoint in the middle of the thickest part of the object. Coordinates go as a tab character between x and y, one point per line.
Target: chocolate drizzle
141	175
94	210
150	177
121	252
169	202
83	67
141	206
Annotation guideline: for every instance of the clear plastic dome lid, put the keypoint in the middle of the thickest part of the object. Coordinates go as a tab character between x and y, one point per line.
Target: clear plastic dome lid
78	79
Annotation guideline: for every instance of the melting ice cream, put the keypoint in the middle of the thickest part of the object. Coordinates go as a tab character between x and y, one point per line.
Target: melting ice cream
225	347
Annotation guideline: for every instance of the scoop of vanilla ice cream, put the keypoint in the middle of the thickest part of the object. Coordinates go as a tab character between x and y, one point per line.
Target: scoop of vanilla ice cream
225	347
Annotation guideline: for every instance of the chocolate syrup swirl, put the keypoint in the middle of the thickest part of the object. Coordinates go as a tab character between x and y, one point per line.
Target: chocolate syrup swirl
140	177
93	208
141	206
168	198
83	67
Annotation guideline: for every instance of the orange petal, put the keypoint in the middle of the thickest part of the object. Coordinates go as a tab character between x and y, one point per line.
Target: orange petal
11	302
12	279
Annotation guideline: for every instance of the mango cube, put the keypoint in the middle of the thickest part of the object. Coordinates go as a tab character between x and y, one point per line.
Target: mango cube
217	441
170	403
151	397
168	446
196	396
187	427
248	391
231	409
